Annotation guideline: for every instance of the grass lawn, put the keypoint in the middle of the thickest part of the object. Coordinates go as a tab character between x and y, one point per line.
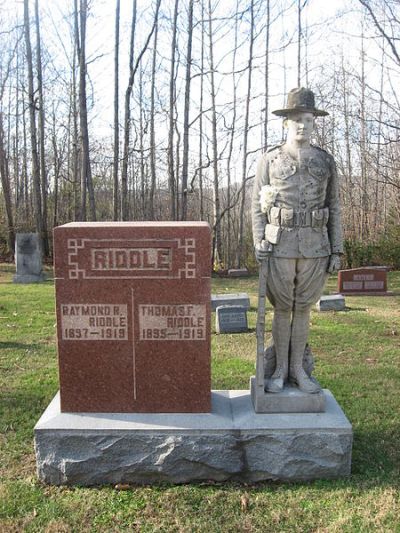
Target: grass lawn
357	357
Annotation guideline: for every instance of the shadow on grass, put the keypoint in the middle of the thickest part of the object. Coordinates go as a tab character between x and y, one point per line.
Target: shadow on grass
19	346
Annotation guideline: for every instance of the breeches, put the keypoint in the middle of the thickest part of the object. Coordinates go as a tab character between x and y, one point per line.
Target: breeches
295	284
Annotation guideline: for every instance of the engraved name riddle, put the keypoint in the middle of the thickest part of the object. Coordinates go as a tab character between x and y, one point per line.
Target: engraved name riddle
183	322
131	259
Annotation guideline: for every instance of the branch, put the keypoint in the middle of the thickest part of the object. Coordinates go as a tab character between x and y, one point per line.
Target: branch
381	29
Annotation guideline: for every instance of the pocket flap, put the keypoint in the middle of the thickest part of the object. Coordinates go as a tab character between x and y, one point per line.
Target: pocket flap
318	214
275	215
287	216
272	233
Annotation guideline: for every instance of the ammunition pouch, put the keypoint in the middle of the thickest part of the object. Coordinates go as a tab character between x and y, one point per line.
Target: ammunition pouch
290	218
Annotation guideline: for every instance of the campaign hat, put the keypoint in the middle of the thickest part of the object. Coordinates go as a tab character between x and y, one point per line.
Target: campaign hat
300	99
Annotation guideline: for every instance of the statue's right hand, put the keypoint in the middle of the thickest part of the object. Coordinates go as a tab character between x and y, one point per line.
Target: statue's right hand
262	250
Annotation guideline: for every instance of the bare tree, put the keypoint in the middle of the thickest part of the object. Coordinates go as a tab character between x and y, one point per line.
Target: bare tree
86	170
41	124
5	183
266	74
217	240
185	157
116	113
152	128
128	93
32	129
127	126
245	136
171	120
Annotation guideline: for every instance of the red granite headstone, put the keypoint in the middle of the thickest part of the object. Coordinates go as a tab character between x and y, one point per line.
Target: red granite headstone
367	280
133	316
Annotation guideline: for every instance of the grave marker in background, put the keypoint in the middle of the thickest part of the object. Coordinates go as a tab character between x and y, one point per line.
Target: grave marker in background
231	319
331	302
241	298
366	280
28	259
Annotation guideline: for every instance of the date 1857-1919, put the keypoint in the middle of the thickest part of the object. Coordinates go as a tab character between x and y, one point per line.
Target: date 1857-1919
101	333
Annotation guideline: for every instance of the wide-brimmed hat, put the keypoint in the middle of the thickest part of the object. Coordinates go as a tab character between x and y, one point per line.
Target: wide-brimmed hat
300	99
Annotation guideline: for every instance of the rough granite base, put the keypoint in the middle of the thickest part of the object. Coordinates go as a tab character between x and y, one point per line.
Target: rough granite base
230	443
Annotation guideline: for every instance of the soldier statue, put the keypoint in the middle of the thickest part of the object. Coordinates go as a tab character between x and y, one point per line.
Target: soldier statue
297	232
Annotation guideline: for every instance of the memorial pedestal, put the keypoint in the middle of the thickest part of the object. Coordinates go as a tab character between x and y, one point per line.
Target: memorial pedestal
290	400
230	443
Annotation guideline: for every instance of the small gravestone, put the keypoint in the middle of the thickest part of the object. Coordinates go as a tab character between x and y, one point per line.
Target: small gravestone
331	302
238	273
366	280
231	319
28	259
240	298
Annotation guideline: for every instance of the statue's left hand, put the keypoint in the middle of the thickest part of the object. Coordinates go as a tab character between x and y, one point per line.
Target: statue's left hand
334	263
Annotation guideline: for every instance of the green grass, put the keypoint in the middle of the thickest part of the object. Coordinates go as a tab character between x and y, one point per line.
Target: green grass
358	358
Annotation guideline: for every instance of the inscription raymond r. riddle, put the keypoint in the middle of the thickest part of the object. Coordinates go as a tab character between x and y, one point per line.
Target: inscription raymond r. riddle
94	322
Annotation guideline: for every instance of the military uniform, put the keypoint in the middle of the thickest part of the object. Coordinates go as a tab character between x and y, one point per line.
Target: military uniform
302	223
306	209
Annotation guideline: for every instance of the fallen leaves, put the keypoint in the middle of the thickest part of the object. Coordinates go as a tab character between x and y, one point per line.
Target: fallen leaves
244	502
122	486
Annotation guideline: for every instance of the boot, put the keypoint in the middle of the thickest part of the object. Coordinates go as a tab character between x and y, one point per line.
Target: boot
297	375
304	383
281	337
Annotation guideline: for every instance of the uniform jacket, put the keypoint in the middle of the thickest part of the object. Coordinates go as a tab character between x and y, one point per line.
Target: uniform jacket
304	218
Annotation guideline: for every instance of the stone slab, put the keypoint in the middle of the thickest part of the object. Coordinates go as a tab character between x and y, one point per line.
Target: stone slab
238	273
290	400
28	259
230	443
231	319
240	298
362	280
331	302
133	316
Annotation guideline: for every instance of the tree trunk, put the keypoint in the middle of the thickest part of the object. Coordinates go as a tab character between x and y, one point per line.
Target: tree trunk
41	123
245	138
172	99
153	173
298	43
231	139
141	148
74	166
5	183
201	199
185	157
56	167
266	76
363	152
217	241
32	128
116	113
86	172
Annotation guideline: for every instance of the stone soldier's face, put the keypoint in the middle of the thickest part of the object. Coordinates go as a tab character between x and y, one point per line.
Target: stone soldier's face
300	126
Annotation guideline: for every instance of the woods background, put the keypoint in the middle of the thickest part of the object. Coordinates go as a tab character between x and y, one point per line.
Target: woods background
159	110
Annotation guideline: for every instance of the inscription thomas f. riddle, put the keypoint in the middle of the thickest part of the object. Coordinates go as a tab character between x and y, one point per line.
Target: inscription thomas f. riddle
186	322
88	322
131	259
